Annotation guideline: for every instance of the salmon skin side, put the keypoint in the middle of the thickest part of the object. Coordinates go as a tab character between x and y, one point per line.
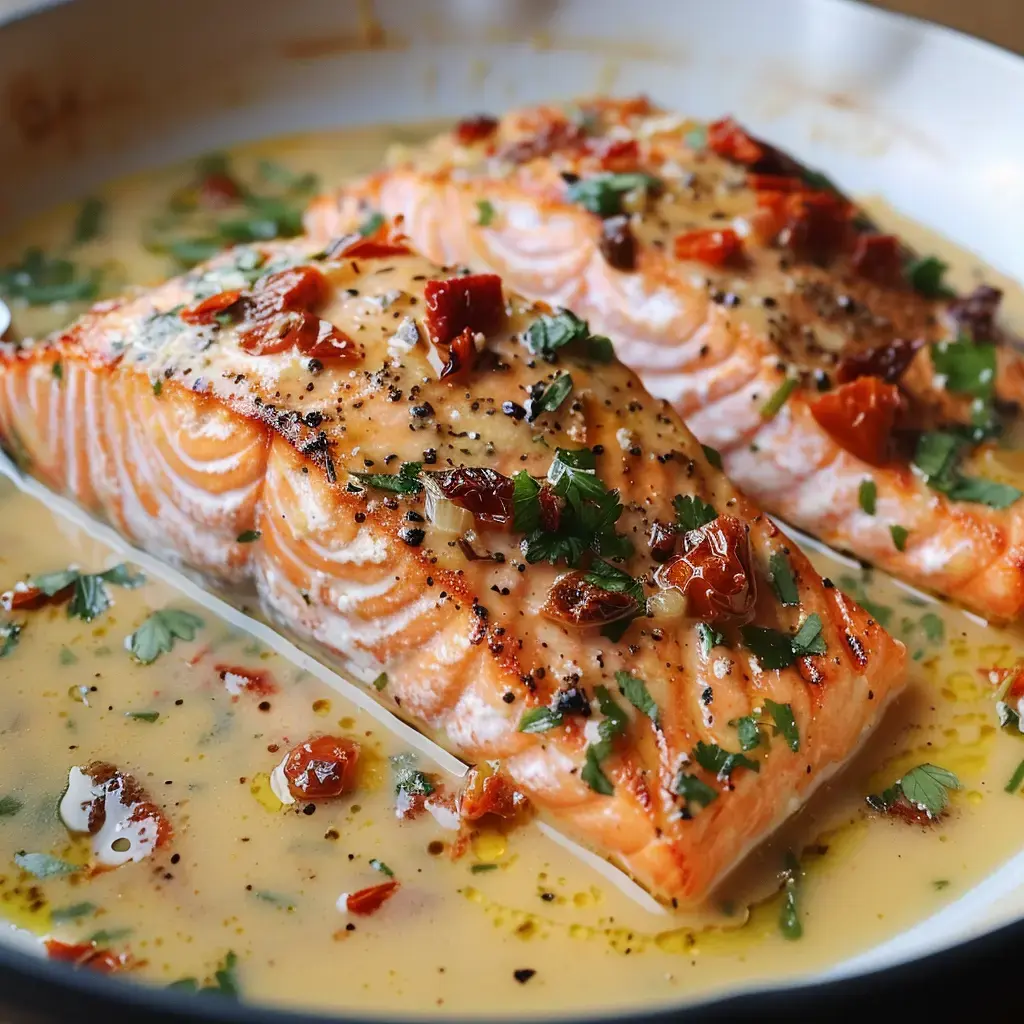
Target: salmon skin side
816	354
448	485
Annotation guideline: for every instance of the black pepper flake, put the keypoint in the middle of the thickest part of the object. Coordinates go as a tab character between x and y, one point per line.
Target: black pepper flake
430	456
414	517
509	697
309	809
413	536
422	411
523	975
707	696
513	409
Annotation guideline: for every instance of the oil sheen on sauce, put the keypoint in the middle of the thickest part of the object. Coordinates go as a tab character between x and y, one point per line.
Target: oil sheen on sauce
517	923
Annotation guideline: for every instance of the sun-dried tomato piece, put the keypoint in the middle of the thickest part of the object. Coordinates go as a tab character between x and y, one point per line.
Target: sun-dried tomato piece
26	598
473	302
814	225
776	183
219	190
616	155
617	243
367	901
553	137
461	354
662	541
207	311
329	343
88	954
484	492
322	768
491	793
297	288
728	140
714	572
714	246
887	362
976	313
292	329
879	259
859	416
575	600
255	681
475	129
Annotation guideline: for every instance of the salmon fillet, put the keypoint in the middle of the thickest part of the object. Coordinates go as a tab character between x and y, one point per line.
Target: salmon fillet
436	480
847	391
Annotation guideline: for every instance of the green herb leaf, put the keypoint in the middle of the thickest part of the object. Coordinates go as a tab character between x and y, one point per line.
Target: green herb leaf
479	869
9	806
381	682
249	536
983	492
553	395
379	865
549	333
371	225
52	583
539	720
226	978
42	865
937	456
789	915
484	212
599	348
748	731
882	614
58	370
927	787
713	456
785	723
867	496
692	513
615	719
808	638
634	689
285	902
606	576
42	280
88	223
721	762
771	648
408	778
61	915
593	776
925	276
525	502
780	572
708	637
771	408
143	716
899	536
603	193
157	634
10	634
696	792
405	481
969	368
573	475
107	935
1016	779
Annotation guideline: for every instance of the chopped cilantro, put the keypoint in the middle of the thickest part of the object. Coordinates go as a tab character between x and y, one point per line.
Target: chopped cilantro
634	689
75	912
381	682
785	723
713	455
525	502
143	716
371	225
408	778
780	572
89	596
226	978
105	935
937	456
1016	780
484	212
721	762
539	720
599	348
549	333
41	280
968	368
613	724
708	637
405	481
552	396
867	496
925	276
926	787
249	536
88	223
57	370
691	512
157	634
696	792
379	865
808	638
899	536
285	902
748	731
594	776
479	869
778	398
771	648
603	193
606	576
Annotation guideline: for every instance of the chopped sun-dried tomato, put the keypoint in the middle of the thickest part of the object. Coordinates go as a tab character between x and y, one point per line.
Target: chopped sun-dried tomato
815	225
575	600
280	332
662	541
26	598
357	247
207	311
617	243
776	183
219	190
714	246
322	768
484	492
367	901
555	136
297	288
729	140
616	155
474	302
461	354
489	794
714	572
878	258
256	681
887	362
475	129
859	416
88	954
329	343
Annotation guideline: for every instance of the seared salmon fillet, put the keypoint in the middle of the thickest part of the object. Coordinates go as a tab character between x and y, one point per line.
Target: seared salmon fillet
846	389
482	514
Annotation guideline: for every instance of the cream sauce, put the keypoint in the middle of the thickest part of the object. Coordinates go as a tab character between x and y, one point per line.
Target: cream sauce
244	873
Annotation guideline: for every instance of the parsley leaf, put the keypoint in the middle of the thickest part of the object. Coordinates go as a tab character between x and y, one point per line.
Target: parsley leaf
748	731
9	806
593	776
552	396
771	648
925	277
546	335
1016	780
249	536
41	280
613	724
408	778
696	792
780	572
88	223
983	492
10	633
574	477
405	481
778	398
381	682
634	689
867	496
58	915
899	536
785	723
691	512
484	212
599	348
713	455
525	502
42	865
539	720
968	368
708	637
89	596
925	787
606	576
157	634
603	193
808	638
721	762
937	456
